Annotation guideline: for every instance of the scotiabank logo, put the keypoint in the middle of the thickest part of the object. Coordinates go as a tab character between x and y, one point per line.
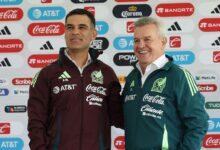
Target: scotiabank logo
175	41
4	128
119	142
209	24
46	29
90	9
216	56
207	87
211	141
10	14
11	45
130	26
21	81
41	60
174	9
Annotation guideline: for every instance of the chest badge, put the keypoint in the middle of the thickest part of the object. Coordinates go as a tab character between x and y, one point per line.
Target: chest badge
159	85
97	77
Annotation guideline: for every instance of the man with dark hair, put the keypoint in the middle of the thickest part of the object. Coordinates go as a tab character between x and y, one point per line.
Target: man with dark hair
74	101
163	108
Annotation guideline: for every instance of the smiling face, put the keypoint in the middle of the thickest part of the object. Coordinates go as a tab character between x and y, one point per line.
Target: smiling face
148	44
79	32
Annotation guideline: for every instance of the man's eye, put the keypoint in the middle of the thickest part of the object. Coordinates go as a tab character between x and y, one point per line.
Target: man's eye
69	28
136	41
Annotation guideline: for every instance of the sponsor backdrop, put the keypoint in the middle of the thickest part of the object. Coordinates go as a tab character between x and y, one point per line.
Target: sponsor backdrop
31	33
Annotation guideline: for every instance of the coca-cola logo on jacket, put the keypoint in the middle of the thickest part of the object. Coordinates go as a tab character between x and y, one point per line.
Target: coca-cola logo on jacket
11	45
174	9
211	141
10	14
41	60
209	24
46	29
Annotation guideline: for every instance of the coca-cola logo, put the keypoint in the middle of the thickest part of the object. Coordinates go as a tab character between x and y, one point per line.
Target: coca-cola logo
216	56
4	128
209	24
207	87
11	45
119	142
96	89
212	141
174	9
130	26
10	14
46	29
41	60
21	81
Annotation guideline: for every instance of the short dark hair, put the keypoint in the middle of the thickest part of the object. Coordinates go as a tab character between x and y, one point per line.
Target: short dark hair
79	11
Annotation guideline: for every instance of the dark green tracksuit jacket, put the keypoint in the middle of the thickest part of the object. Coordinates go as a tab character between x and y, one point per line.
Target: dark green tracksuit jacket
166	113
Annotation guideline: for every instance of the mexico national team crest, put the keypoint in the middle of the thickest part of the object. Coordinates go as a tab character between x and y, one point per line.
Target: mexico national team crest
159	85
97	77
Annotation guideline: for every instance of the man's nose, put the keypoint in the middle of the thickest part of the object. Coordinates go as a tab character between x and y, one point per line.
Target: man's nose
141	44
75	31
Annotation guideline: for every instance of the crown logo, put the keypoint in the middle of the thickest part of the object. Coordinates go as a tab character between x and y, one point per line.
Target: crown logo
132	8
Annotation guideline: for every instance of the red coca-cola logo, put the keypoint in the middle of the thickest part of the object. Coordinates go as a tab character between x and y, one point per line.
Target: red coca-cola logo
209	24
41	60
11	45
4	128
10	14
21	81
216	56
174	9
46	29
211	141
130	26
207	87
119	142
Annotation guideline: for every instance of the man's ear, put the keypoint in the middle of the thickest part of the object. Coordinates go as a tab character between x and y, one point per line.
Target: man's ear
95	33
164	41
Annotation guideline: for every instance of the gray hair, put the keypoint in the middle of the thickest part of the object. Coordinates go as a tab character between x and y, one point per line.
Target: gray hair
150	20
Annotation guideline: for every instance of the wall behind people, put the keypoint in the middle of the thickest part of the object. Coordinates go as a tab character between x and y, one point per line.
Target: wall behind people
31	33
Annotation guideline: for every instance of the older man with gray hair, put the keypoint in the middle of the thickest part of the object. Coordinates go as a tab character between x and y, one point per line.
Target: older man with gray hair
163	109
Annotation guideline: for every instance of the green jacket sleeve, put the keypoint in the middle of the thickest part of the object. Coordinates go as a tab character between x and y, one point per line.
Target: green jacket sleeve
190	104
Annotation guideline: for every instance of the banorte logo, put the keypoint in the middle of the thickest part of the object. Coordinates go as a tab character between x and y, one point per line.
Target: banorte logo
46	29
41	60
211	141
11	14
21	81
11	45
119	143
216	56
209	24
174	9
207	87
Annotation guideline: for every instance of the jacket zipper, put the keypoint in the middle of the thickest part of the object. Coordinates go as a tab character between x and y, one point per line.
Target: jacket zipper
81	120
